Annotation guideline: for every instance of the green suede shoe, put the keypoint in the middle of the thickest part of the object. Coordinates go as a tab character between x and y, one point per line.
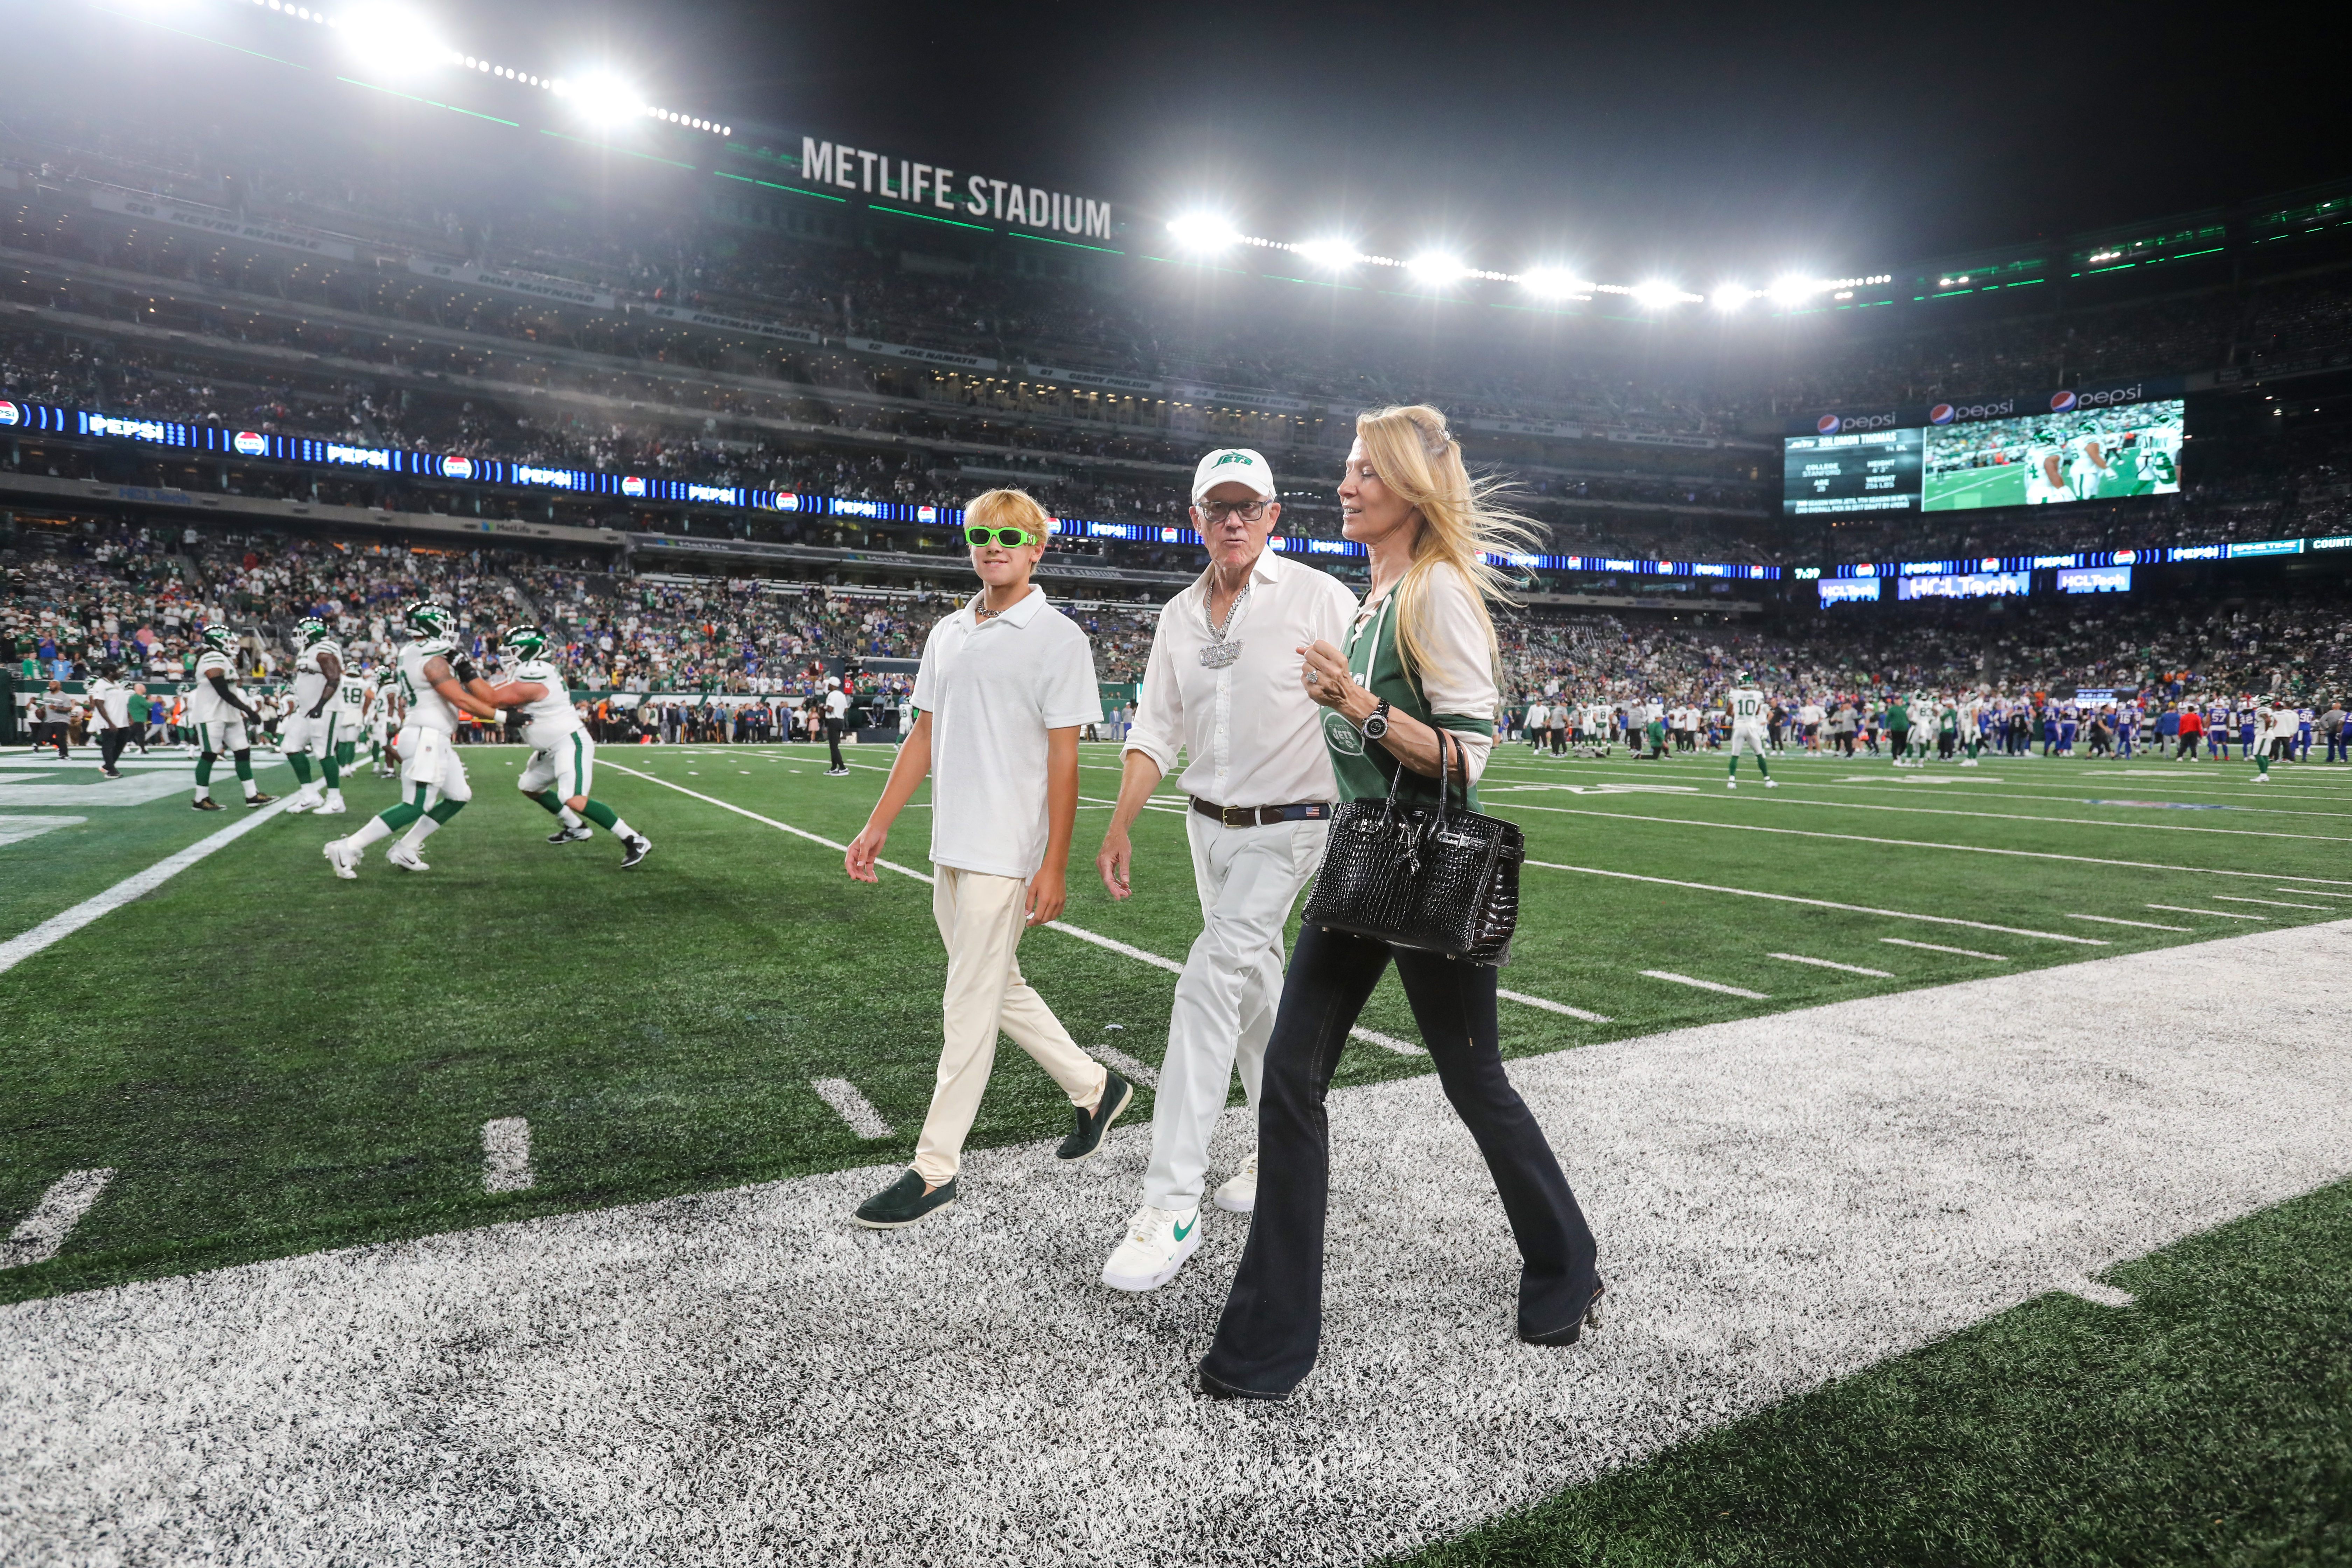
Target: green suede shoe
904	1203
1089	1126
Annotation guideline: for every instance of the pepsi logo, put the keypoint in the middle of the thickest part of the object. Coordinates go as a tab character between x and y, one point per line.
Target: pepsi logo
250	443
1941	414
457	467
927	514
787	501
10	413
633	486
1828	424
1989	564
2060	402
2125	557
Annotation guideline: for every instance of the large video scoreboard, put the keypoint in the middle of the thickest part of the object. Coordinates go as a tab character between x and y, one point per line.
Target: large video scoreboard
2100	443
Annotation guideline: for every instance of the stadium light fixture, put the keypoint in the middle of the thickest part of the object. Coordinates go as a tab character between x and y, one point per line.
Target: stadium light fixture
1555	283
603	100
1657	295
395	40
1437	266
1729	297
1793	289
1335	254
1204	232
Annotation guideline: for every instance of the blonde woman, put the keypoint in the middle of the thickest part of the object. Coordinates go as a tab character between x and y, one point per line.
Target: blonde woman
1419	657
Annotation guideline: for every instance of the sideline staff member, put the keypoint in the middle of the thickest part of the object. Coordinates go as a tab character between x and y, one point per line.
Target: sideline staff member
1222	684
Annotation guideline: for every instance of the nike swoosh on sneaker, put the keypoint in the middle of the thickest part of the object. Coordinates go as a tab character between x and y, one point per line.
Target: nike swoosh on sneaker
1184	1230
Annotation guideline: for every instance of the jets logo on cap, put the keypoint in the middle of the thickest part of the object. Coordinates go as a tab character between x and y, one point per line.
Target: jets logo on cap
2060	402
1828	424
1243	459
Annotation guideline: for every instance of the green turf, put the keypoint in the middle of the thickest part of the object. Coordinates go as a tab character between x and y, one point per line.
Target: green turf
275	1061
2210	1422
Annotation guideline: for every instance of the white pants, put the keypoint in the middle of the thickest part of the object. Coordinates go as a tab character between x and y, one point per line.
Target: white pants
568	764
1750	738
223	736
314	737
981	919
1248	878
429	761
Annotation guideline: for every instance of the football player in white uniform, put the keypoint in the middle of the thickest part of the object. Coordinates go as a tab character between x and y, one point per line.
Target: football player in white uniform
313	724
224	720
351	700
383	718
435	681
2045	469
2090	469
1748	712
562	765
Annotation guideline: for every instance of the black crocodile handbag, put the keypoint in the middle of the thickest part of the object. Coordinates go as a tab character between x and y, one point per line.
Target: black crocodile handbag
1421	877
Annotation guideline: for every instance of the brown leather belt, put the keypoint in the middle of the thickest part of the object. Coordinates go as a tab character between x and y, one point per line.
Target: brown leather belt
1263	815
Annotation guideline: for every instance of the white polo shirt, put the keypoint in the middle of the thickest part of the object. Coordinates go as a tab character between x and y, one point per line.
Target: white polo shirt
993	689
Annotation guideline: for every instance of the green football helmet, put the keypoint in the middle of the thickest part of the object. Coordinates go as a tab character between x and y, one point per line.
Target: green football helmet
309	631
219	634
524	642
385	677
427	619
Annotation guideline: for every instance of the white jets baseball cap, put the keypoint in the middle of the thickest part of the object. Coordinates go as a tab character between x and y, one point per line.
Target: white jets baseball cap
1237	465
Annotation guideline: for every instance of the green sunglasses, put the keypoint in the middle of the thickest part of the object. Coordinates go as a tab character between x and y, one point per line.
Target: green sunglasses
1010	538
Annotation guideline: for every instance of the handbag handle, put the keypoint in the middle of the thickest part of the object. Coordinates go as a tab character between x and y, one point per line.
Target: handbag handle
1445	779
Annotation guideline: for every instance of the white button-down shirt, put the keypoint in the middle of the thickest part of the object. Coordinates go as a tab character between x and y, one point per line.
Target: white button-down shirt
1254	736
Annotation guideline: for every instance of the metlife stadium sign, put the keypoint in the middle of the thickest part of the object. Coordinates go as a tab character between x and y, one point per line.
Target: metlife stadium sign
930	188
2102	442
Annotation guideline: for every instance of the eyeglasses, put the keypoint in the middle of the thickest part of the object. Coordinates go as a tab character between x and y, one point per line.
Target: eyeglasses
1010	538
1215	512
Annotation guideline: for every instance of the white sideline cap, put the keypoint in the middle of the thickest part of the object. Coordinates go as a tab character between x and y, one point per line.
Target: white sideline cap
1237	465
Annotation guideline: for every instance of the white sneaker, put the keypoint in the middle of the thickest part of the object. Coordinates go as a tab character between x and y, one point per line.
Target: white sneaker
1772	784
1239	1194
2261	778
1158	1242
344	858
301	802
402	855
1731	783
333	807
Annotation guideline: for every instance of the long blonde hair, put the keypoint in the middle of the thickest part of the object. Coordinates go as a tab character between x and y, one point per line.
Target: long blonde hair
1461	520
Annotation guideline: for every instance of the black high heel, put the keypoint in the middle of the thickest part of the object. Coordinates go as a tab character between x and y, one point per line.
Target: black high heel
1588	1319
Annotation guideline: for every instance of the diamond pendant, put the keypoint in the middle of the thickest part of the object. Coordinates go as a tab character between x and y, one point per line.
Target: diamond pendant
1217	655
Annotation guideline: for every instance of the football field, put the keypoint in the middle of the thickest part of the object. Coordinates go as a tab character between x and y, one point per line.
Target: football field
2001	485
1948	1133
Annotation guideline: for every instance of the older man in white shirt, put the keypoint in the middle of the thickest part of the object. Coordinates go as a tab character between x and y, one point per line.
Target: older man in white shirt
1222	684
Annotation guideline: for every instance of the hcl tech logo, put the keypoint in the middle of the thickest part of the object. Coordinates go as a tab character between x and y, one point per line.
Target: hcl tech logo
457	467
633	486
250	443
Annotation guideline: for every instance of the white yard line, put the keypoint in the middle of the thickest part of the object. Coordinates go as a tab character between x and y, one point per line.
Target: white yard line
17	829
1548	1005
1824	903
1113	944
1830	964
2311	892
2112	921
1125	1065
57	927
1940	947
851	1106
1897	843
2091	1290
2217	914
2274	903
1707	985
506	1155
40	1233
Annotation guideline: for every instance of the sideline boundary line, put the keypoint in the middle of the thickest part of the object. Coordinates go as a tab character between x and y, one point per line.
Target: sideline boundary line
57	927
1824	904
1895	843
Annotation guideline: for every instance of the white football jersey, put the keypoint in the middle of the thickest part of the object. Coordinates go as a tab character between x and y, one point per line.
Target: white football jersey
351	697
549	716
427	709
205	705
310	677
1748	708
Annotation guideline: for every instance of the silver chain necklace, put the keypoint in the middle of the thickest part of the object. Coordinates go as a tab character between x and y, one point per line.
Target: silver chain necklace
1220	652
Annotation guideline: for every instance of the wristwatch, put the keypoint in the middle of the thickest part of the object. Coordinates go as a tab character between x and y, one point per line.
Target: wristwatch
1376	723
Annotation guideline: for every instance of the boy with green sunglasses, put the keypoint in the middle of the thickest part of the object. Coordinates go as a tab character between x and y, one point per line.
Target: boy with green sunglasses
1004	686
